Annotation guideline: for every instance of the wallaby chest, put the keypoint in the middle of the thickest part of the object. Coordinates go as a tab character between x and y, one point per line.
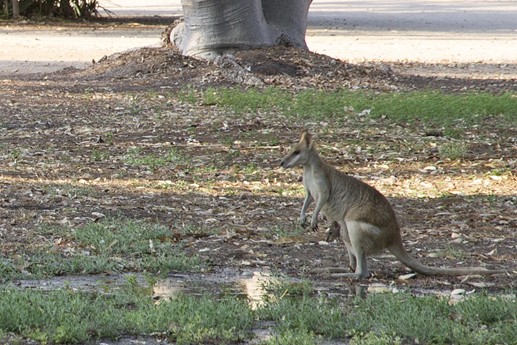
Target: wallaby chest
316	182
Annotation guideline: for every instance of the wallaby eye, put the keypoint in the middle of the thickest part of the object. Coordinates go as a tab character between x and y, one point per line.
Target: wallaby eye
297	152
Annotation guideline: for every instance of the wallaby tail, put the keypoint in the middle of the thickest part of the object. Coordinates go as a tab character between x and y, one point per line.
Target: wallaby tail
399	251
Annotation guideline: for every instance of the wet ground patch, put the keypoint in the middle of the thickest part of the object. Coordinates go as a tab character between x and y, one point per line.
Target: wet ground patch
249	307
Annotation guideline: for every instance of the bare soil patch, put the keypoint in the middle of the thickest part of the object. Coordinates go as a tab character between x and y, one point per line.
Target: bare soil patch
68	140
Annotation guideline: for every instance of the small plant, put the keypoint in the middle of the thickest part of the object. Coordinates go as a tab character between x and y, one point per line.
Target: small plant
109	137
8	268
281	288
250	169
15	154
282	233
375	339
500	171
70	190
99	155
454	150
195	231
293	337
136	157
84	9
188	95
454	252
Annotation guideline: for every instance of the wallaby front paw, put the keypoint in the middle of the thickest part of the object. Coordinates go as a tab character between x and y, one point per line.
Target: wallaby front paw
303	221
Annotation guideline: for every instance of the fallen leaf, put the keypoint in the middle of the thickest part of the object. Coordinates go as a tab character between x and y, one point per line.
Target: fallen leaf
481	284
492	252
458	292
406	276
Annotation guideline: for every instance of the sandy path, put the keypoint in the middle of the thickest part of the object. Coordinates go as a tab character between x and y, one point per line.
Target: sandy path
434	31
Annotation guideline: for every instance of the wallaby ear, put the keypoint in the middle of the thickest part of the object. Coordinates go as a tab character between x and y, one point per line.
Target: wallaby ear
306	138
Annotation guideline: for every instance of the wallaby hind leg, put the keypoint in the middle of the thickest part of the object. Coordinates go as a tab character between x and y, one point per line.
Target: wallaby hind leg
341	230
356	238
360	271
361	268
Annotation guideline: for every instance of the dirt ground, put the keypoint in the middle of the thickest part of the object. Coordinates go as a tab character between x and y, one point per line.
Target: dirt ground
66	138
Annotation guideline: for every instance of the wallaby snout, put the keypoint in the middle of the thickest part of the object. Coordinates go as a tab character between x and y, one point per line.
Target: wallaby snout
299	153
287	162
291	159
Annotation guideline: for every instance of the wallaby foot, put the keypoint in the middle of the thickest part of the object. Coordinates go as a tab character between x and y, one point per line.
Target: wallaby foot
340	272
303	224
351	275
328	270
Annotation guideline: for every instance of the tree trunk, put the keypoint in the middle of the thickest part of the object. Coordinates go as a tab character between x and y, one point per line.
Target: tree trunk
16	9
213	27
66	9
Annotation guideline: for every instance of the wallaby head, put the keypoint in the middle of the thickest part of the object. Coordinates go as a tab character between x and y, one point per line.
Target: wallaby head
299	153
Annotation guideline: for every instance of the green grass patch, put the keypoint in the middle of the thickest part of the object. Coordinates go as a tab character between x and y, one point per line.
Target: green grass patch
393	318
71	317
283	233
454	150
477	320
137	157
290	337
428	106
67	316
112	245
98	155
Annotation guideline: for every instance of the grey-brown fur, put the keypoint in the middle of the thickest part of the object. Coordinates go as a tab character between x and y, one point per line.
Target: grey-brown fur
361	215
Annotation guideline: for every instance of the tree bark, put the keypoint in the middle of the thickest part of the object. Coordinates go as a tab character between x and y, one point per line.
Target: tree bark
16	9
213	27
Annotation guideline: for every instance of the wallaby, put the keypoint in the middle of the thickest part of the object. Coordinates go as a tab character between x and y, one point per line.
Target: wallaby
361	215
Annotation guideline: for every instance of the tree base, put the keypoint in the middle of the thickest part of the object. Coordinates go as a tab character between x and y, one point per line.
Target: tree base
212	28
